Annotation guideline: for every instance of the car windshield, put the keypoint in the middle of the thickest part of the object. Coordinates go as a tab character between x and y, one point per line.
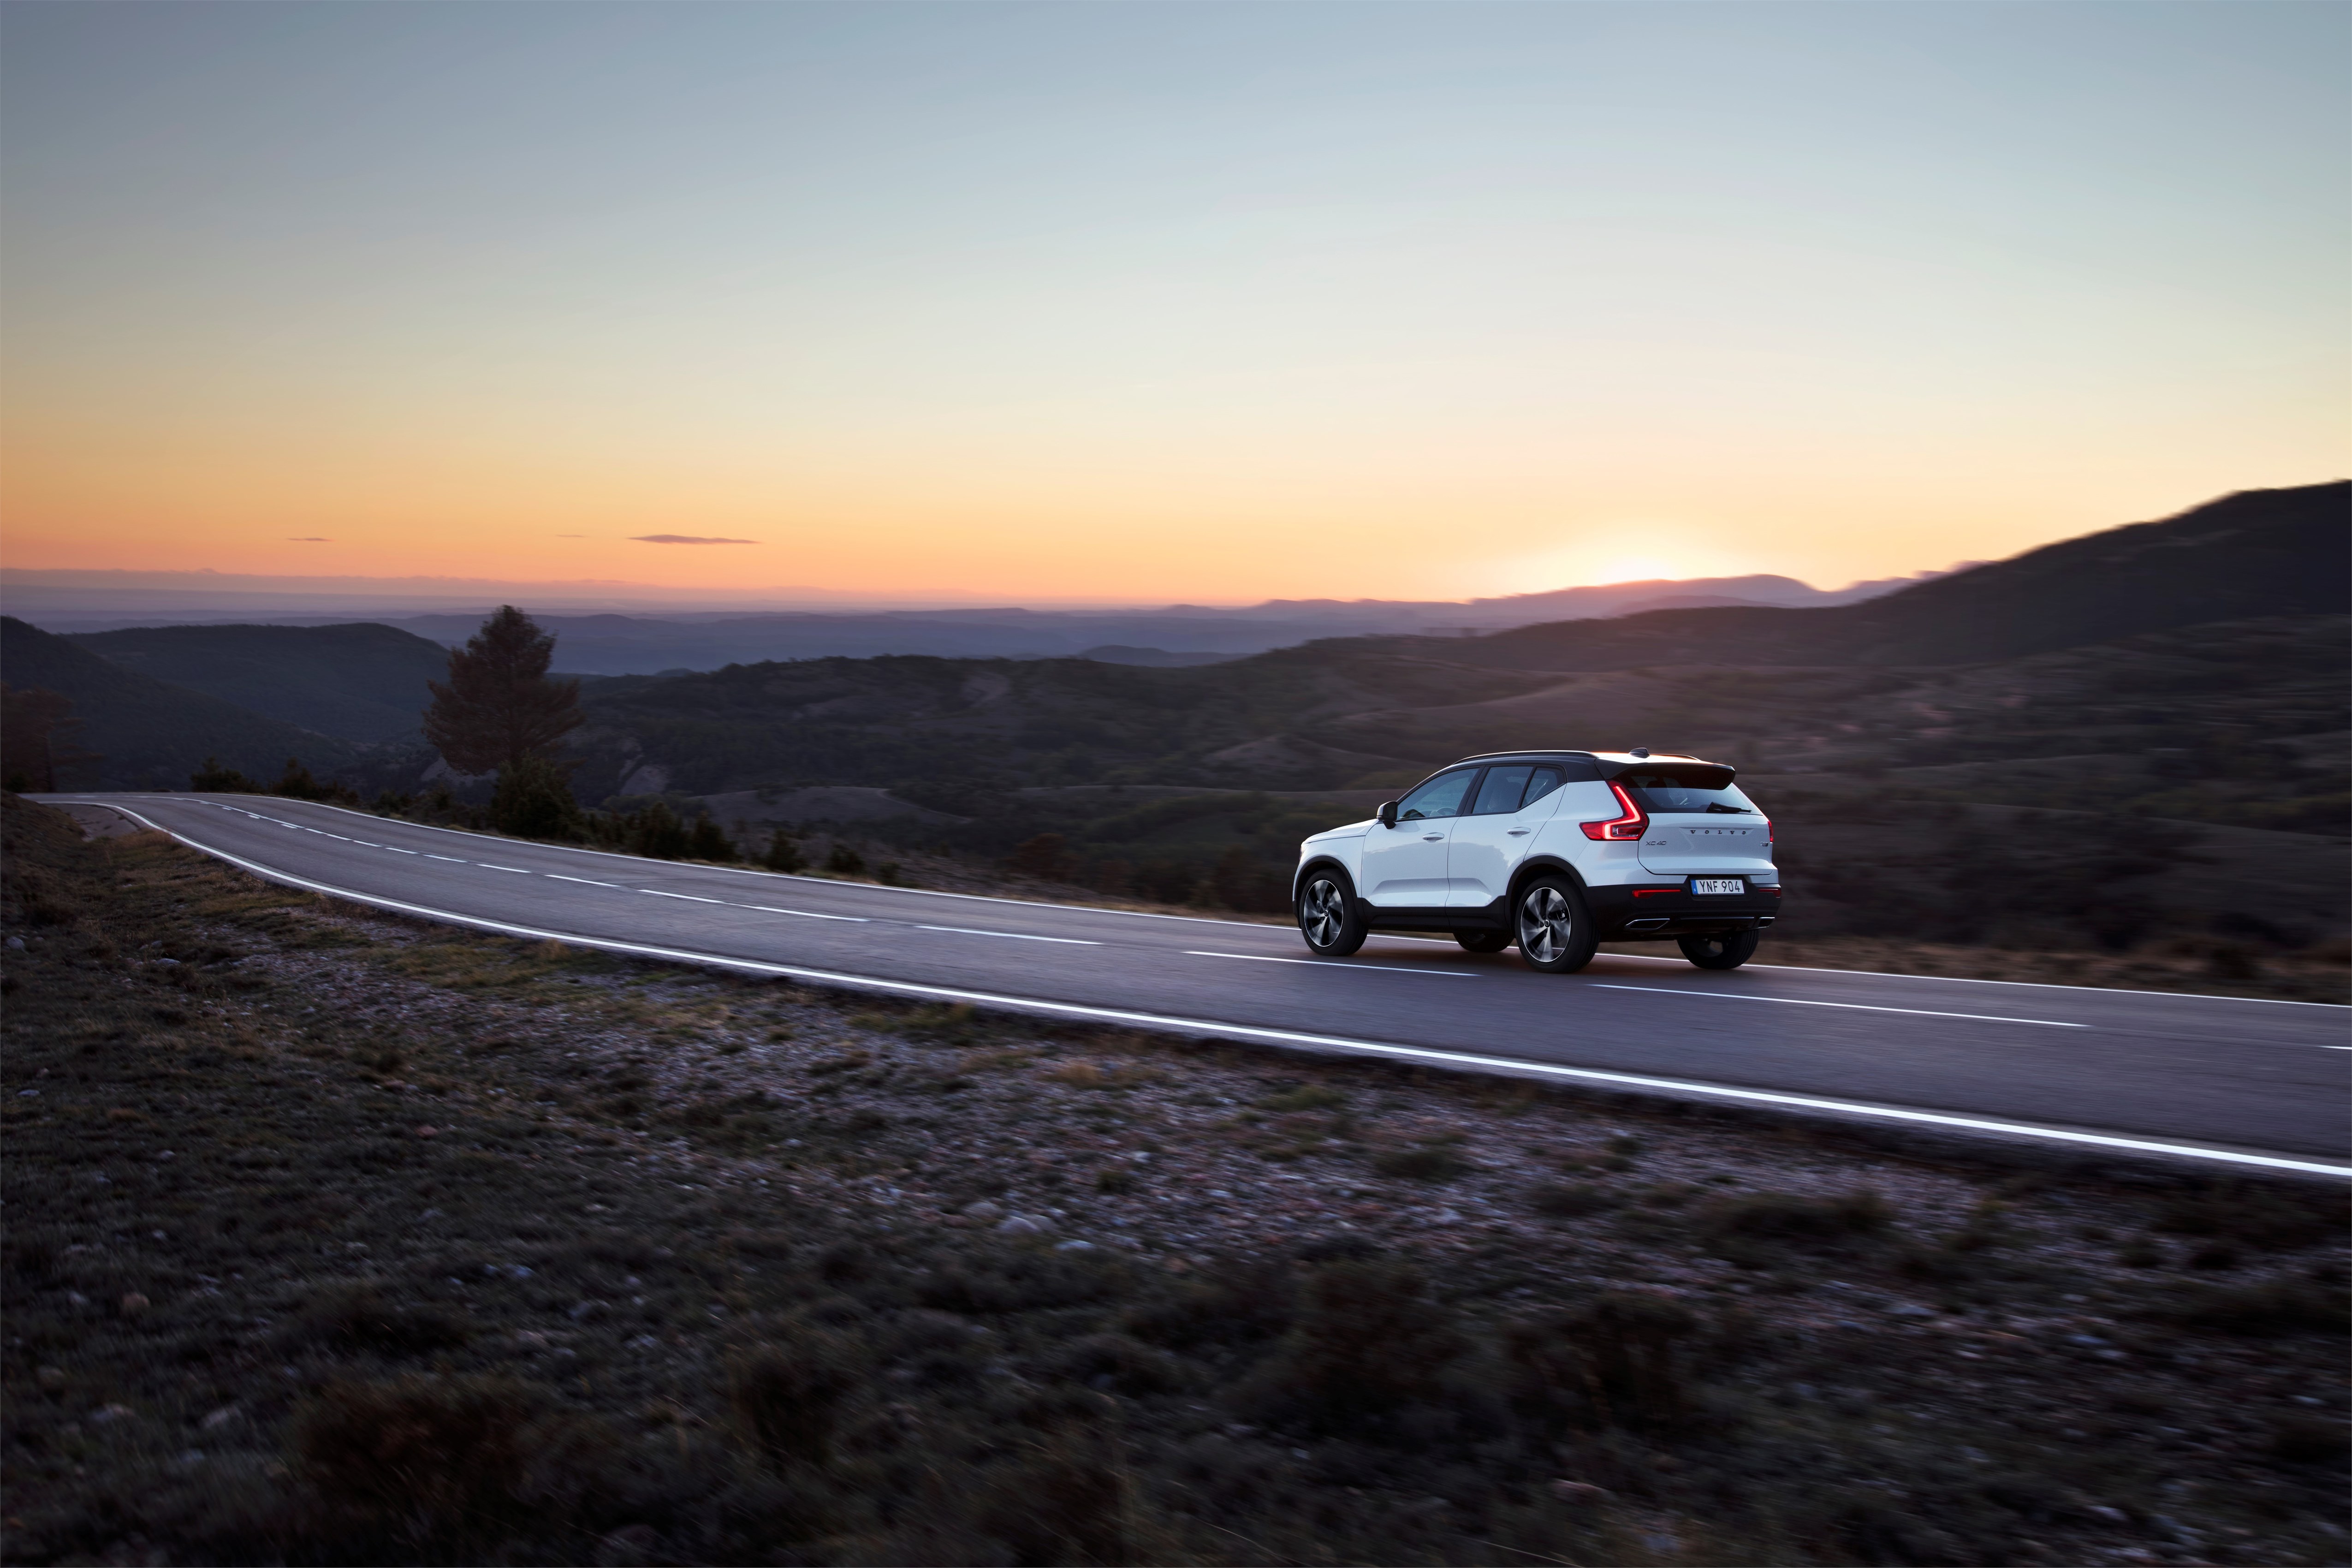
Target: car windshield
1665	794
1441	797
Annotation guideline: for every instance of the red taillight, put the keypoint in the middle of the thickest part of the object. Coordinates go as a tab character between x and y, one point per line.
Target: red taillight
1768	832
1633	825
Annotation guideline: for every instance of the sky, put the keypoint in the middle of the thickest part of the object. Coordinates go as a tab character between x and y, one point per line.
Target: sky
1144	303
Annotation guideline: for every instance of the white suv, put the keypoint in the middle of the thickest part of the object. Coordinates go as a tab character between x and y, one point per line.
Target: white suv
1557	851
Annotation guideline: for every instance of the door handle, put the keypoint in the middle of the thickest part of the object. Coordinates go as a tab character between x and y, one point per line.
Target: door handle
1521	832
1431	837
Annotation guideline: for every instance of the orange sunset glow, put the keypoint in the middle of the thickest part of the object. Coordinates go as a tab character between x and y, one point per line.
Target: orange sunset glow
1137	305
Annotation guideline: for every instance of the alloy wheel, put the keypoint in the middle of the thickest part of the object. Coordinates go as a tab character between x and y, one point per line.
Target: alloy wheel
1322	912
1547	923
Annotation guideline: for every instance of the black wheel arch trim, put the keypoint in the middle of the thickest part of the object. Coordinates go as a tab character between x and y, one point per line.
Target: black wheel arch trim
1298	882
1536	866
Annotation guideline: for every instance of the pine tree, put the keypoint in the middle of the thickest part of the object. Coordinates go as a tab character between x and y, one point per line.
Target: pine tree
783	855
708	841
498	706
534	801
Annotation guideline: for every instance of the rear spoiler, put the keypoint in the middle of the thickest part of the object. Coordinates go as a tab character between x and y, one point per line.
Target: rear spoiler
1687	771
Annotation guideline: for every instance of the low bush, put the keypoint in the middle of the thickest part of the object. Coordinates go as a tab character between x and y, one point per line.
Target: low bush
356	1318
1611	1362
1368	1338
1429	1163
1567	1200
786	1398
2255	1216
1238	1302
448	1466
2273	1307
1746	1228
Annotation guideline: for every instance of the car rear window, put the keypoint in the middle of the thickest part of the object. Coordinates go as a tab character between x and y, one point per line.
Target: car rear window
1662	793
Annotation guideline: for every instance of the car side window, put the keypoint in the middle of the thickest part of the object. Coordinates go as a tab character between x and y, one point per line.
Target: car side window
1501	791
1441	797
1545	781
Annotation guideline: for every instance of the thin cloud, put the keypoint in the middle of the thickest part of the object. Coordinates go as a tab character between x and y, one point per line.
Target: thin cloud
309	539
684	539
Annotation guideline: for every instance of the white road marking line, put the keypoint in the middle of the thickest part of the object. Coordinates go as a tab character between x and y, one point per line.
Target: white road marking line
365	845
453	859
1851	1006
1014	935
1287	1036
805	914
1338	963
485	866
689	897
590	881
347	840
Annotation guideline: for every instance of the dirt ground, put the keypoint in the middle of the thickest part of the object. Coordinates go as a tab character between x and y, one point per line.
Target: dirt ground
338	1239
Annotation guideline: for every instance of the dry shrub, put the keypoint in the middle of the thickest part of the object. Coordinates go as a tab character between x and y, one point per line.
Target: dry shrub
41	900
448	1460
787	1398
1312	1097
1609	1363
354	1317
954	1023
1368	1340
2300	1440
2274	1307
1431	1162
1016	1280
1567	1200
1118	1362
1067	1503
1087	1074
1239	1301
2255	1216
1744	1229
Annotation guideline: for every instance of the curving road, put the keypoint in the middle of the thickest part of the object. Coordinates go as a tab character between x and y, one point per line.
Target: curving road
2241	1081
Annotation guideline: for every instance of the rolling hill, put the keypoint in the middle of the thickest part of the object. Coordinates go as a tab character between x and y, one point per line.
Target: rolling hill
2258	552
358	682
148	732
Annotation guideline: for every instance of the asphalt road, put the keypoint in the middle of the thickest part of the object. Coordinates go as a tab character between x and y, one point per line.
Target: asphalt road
2243	1082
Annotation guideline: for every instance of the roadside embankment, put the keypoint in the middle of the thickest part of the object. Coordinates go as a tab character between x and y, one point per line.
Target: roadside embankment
334	1238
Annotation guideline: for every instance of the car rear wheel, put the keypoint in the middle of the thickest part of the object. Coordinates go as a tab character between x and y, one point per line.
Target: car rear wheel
1328	916
1723	950
1555	930
1484	941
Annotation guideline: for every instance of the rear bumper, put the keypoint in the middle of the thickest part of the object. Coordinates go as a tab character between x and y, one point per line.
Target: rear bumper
1641	912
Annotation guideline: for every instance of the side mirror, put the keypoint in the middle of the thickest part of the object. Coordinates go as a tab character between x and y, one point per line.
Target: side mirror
1388	814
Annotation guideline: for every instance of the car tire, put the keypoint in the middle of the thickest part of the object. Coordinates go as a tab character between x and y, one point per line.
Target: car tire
1722	949
1553	927
1484	941
1327	915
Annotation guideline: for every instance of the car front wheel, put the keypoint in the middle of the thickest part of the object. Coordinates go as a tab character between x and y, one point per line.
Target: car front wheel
1725	950
1555	930
1328	916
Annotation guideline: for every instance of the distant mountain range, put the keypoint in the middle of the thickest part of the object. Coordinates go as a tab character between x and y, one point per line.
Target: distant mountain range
619	644
1310	715
1174	695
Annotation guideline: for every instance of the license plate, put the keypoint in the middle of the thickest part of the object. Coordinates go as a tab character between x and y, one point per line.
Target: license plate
1717	885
